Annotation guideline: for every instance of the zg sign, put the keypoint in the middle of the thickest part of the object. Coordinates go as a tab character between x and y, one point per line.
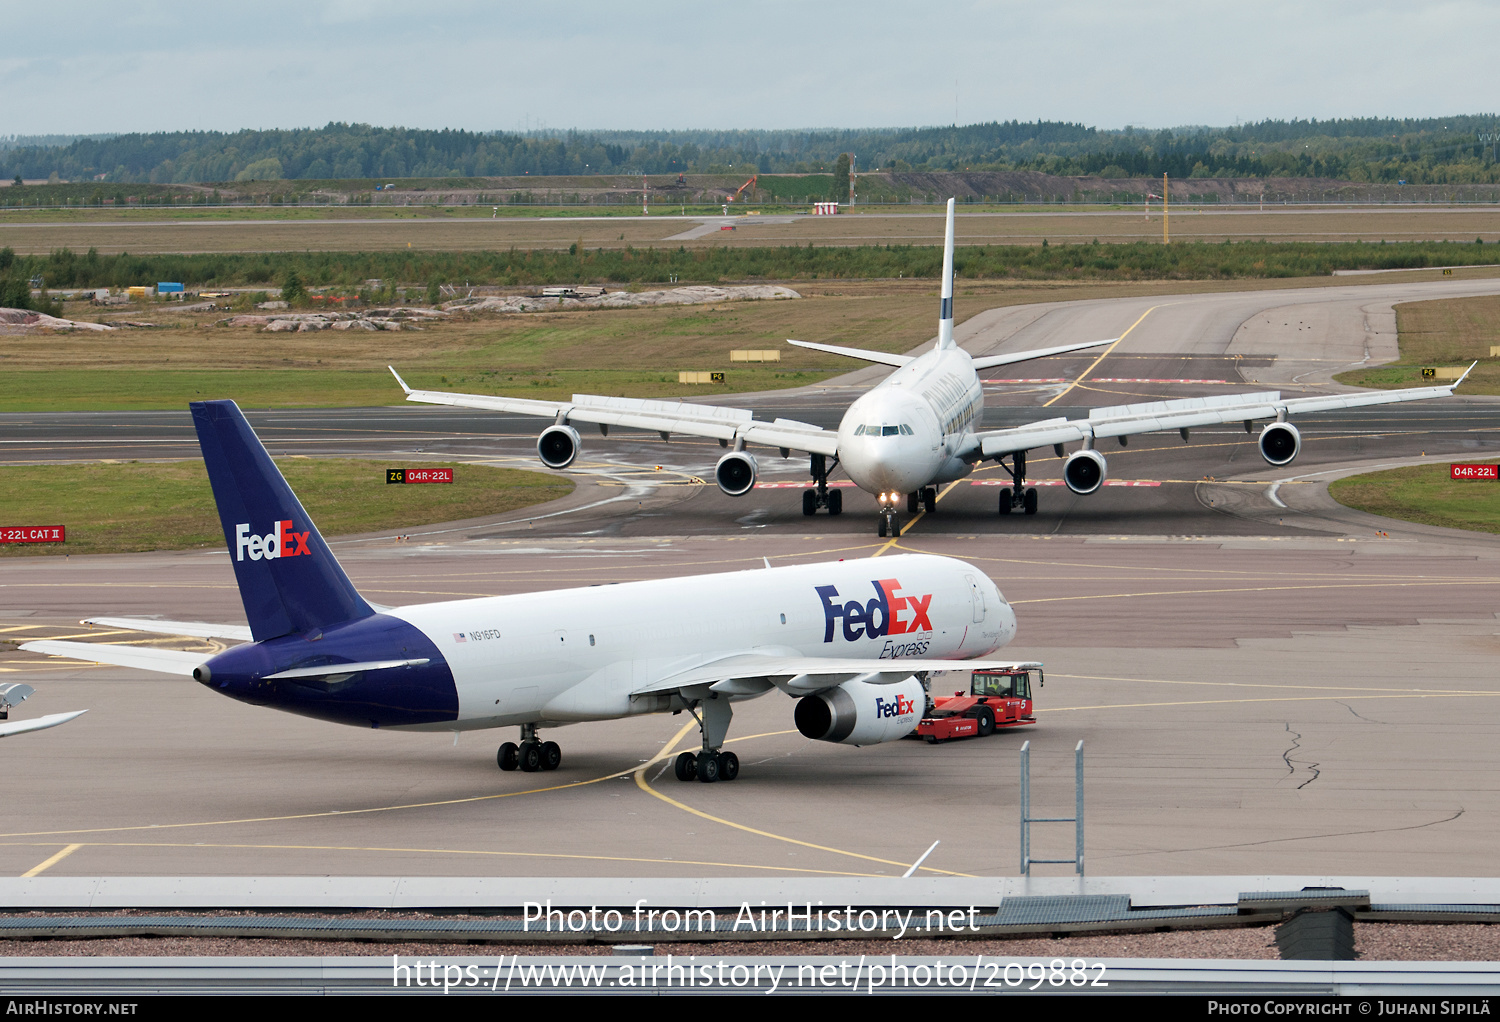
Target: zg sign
418	475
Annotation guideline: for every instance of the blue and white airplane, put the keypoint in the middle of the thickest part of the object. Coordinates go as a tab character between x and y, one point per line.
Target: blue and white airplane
918	428
852	641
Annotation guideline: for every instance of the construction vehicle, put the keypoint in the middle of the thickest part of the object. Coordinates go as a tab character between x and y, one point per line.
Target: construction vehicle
741	189
999	698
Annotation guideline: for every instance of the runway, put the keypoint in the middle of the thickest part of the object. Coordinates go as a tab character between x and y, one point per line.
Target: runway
1260	688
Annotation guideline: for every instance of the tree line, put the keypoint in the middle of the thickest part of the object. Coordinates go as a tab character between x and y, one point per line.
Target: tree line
1431	150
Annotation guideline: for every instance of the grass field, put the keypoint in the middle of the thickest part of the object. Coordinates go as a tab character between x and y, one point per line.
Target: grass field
1423	493
543	355
118	508
1448	332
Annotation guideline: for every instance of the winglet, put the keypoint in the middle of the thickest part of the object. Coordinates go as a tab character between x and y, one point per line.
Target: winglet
945	310
399	379
1464	377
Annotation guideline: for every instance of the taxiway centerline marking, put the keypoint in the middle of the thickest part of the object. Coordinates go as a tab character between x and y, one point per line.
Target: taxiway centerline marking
644	785
1105	354
42	866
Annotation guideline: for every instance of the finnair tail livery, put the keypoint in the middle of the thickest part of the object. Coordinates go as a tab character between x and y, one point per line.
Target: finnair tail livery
919	427
852	641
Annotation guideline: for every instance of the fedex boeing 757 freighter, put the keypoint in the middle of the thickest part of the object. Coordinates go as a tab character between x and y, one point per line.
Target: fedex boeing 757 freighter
853	641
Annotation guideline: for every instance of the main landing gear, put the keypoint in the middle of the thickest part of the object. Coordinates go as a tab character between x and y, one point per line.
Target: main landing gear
531	755
822	496
924	499
1023	497
710	764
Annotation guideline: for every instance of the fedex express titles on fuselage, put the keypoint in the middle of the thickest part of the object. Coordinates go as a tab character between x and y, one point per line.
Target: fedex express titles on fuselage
508	656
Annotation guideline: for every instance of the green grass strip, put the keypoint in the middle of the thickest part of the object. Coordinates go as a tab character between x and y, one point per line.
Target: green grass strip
137	506
1425	494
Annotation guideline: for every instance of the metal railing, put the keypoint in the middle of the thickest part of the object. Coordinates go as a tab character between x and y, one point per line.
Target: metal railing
1027	819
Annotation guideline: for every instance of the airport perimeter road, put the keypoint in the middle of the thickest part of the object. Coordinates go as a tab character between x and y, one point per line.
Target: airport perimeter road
417	227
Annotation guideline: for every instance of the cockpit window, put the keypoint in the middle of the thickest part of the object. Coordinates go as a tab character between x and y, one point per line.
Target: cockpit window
890	431
906	430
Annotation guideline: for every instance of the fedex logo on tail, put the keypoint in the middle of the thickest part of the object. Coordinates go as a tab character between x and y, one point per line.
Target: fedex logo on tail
279	542
886	614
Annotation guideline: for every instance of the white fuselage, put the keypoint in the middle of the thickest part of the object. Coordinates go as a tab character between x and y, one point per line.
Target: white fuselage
906	433
581	654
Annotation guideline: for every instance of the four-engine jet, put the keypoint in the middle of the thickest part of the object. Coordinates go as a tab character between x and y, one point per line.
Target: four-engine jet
852	641
917	428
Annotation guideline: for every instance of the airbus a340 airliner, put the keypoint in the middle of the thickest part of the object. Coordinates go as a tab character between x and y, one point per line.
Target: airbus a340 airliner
852	641
918	428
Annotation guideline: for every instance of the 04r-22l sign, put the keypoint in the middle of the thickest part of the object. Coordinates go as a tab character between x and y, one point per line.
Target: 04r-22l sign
419	475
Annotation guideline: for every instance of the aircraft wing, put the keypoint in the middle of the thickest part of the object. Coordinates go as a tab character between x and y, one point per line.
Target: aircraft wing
20	727
145	658
983	362
1186	413
665	417
197	629
754	673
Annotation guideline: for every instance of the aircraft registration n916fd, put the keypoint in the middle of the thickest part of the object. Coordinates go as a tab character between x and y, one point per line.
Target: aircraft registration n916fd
917	428
853	641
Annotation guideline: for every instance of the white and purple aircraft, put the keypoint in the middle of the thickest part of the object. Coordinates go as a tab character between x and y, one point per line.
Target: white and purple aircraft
852	641
918	428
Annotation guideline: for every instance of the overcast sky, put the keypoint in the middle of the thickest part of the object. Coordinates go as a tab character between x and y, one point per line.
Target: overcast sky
75	66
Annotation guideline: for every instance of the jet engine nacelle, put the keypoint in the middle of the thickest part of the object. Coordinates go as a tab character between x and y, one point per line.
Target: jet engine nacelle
735	473
860	713
558	446
1085	471
1279	442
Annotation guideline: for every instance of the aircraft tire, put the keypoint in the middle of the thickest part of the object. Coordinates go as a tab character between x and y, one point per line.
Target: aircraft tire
881	530
835	502
929	499
1005	500
912	499
551	755
530	757
509	756
729	766
708	768
809	502
1030	500
685	766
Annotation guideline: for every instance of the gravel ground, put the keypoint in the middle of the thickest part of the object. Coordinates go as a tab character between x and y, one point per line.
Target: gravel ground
1376	942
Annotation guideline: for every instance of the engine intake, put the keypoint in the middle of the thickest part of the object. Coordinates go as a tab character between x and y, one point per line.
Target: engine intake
558	446
860	713
735	473
1085	471
1279	443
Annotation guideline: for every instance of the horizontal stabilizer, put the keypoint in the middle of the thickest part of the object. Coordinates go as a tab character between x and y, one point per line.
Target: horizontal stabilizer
197	629
983	362
883	358
20	727
145	658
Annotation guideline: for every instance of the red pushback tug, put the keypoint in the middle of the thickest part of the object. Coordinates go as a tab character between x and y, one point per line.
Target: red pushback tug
996	699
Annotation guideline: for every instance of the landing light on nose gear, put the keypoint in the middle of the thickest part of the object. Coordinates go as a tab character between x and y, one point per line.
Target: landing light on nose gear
890	522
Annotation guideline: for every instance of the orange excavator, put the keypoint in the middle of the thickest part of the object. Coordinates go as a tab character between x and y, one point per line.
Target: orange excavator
741	189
